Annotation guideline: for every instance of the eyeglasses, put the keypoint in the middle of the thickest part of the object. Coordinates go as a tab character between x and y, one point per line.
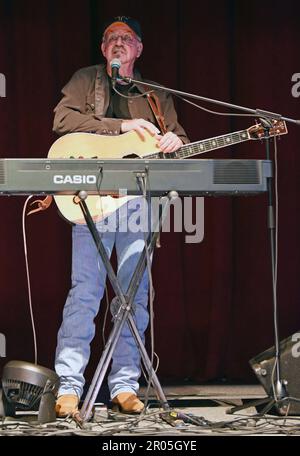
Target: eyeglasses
126	38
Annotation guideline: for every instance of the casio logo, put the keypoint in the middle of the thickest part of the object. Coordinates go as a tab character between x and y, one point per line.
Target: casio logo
76	179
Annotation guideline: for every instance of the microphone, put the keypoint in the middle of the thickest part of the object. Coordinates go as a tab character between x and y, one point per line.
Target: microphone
115	65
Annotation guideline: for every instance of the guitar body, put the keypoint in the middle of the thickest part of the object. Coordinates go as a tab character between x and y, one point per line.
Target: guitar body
87	146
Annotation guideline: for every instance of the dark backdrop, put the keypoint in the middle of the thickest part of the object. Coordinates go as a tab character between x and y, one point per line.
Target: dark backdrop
213	306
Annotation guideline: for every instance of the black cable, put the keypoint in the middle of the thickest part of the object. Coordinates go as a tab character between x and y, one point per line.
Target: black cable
210	111
132	96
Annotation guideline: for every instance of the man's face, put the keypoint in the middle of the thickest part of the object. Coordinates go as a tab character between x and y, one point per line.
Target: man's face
121	42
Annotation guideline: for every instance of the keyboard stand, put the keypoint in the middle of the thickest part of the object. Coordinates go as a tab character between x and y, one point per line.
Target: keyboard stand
125	312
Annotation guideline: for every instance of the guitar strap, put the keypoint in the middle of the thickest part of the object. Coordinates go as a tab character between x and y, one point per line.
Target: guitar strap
42	205
155	105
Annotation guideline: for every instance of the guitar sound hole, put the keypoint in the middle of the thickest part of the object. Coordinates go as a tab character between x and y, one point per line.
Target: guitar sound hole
131	156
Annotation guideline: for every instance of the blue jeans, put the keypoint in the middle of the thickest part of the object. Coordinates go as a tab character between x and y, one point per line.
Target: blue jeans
82	305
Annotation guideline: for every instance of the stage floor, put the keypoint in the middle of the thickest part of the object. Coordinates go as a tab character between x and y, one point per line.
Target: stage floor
204	406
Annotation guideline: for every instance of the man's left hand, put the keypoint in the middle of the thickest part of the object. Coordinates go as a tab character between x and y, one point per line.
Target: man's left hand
169	142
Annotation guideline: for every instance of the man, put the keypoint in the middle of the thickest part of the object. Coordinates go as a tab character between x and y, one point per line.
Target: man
90	105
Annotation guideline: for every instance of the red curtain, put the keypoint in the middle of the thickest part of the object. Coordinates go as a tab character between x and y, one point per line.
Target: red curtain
213	304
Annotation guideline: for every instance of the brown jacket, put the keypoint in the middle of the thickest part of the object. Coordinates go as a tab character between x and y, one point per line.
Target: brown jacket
85	102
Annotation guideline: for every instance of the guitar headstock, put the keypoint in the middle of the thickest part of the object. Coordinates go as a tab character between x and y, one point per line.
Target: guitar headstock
278	128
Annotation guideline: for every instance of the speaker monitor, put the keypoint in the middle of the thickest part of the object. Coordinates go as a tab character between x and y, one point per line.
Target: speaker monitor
263	366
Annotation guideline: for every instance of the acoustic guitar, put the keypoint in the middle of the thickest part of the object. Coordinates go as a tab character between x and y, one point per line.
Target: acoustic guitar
130	145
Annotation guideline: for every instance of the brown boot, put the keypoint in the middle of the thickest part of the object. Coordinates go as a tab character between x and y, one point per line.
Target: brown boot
128	403
66	404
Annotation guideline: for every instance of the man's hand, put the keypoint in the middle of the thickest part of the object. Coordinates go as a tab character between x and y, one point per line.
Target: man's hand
169	142
139	125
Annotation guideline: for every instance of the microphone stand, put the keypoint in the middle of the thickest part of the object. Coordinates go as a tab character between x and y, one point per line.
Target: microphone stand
280	392
279	387
255	112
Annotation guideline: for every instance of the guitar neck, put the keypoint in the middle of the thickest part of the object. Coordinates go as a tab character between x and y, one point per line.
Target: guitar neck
206	145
